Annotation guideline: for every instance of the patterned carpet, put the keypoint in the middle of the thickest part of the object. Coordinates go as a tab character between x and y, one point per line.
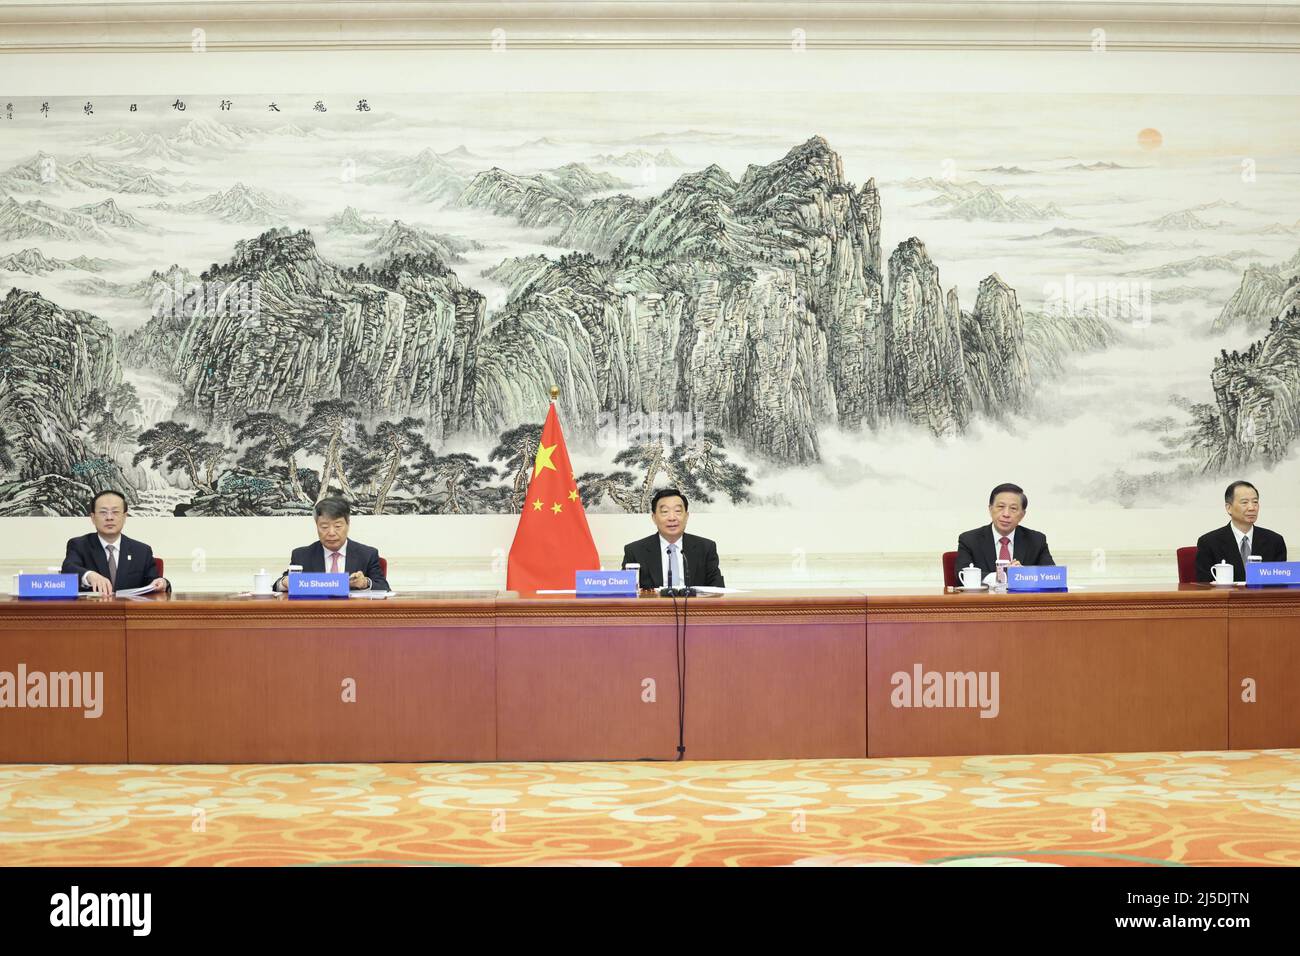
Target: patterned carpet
1121	809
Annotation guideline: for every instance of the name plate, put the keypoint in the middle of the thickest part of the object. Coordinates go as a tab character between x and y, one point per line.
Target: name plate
606	583
47	585
1046	578
312	584
1260	573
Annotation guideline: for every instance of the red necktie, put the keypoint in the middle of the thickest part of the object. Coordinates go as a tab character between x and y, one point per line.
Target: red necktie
1005	553
334	561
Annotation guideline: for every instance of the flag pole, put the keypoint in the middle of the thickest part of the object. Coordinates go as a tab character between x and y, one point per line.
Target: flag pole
555	392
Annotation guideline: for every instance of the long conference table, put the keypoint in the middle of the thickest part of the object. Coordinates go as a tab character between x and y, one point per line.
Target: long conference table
197	678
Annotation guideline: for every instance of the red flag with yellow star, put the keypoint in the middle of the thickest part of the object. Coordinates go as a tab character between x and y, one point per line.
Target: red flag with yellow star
552	541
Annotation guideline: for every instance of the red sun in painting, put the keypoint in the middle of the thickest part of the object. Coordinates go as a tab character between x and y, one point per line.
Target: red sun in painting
1150	138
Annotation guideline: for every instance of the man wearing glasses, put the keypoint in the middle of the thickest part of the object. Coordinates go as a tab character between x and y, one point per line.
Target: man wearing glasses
107	560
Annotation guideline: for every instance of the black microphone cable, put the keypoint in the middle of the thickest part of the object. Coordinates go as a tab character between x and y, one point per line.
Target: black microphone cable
686	592
681	677
679	647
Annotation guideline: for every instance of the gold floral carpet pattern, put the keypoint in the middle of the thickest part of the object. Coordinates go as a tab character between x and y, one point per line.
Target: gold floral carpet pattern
1157	809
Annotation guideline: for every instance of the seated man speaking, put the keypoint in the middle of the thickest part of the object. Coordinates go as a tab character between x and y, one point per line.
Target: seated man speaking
672	555
1004	539
1241	537
334	553
107	560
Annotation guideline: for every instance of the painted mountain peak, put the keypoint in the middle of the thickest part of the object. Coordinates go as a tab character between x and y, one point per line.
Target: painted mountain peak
359	337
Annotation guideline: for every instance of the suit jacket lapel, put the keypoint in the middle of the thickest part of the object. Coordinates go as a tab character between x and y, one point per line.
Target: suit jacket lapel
353	561
1021	549
125	550
695	560
98	559
317	562
1233	550
652	560
990	551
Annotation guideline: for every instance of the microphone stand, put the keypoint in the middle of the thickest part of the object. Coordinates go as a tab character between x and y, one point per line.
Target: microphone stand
679	642
687	593
673	592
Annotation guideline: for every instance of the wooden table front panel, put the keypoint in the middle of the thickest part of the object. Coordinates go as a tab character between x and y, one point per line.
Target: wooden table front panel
1264	647
221	680
263	681
1077	673
767	678
572	681
87	636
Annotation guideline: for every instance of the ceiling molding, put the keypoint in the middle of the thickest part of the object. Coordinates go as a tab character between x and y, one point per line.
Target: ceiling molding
167	26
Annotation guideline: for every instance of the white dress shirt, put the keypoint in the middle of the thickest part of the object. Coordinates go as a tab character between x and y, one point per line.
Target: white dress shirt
343	562
992	576
1249	536
105	544
663	556
343	557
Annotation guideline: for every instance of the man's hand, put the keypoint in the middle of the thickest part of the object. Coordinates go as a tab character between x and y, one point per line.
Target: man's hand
358	581
99	584
160	584
1016	564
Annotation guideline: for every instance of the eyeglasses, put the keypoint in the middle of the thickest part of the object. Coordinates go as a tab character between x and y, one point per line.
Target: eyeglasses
108	514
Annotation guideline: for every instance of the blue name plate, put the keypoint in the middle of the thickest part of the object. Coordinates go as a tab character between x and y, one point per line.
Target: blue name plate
1259	573
606	583
311	584
47	585
1046	578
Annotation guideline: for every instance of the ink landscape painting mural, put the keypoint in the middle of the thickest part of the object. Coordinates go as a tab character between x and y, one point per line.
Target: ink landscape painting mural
235	307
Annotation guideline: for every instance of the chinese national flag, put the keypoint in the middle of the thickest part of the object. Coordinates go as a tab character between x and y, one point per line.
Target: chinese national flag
552	541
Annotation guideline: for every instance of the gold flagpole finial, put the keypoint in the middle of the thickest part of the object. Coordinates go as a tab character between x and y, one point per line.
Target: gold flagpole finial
555	392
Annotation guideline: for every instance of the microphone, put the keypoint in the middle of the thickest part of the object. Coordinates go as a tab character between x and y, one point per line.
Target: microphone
686	589
669	590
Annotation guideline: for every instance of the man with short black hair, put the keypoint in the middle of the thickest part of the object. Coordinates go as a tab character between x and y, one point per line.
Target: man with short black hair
673	558
1004	539
359	561
107	560
1239	538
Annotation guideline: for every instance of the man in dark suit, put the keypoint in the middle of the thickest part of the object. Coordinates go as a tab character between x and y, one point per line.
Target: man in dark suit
688	560
107	560
1239	538
1004	539
359	561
